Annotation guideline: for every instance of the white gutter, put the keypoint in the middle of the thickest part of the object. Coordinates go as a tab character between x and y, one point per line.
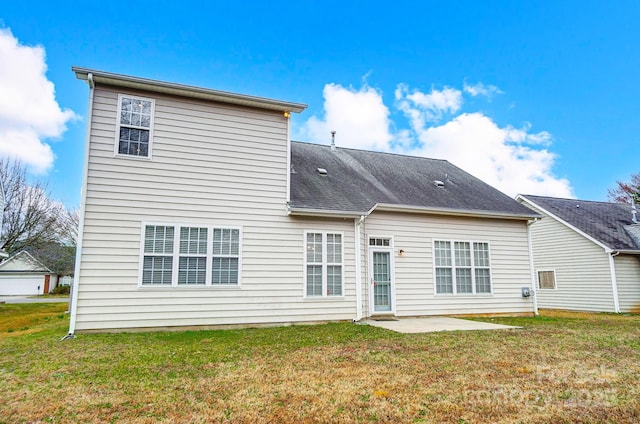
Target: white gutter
406	209
288	169
624	252
324	213
446	211
83	201
358	247
614	280
532	267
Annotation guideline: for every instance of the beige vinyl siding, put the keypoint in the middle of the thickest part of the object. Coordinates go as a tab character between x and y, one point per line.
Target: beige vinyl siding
414	271
628	279
212	164
583	277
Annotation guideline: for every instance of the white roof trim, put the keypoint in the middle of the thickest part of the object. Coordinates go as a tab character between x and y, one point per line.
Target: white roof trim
324	212
626	252
562	221
408	209
447	211
118	80
31	258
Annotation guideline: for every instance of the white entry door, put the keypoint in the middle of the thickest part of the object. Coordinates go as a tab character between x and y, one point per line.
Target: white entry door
381	280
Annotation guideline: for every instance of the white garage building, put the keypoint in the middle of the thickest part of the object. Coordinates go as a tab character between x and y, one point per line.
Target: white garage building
22	274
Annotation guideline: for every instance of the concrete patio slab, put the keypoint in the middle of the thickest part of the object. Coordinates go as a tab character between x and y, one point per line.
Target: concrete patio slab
433	324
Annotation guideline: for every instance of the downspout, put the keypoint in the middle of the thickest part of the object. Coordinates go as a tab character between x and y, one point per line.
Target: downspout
73	307
288	194
614	280
531	267
358	247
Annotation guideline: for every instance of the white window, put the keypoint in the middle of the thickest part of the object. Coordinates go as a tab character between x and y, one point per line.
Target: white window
379	241
201	256
461	267
134	126
158	255
547	280
192	268
323	264
226	255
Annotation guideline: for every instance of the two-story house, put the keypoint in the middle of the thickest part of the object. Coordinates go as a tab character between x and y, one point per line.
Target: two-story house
198	210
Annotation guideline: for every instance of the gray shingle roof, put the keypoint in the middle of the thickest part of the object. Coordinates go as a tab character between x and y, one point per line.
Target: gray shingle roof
609	223
357	180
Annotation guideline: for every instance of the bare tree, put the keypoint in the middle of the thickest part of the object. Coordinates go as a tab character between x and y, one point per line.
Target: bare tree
624	191
60	256
69	226
31	220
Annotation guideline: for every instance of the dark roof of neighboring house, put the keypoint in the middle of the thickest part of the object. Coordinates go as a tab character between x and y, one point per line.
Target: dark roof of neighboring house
358	180
609	223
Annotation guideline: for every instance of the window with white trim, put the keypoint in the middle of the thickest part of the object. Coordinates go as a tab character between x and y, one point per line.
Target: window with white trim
201	256
323	264
226	254
379	241
192	262
461	267
547	280
157	266
134	126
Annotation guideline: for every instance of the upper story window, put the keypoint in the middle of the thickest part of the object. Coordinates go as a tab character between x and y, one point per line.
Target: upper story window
135	126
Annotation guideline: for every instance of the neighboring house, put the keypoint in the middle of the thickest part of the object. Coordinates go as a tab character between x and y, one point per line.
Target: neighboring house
197	210
22	274
67	280
586	254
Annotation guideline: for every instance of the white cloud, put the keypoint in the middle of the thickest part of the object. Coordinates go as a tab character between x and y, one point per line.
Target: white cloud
359	117
480	89
29	113
506	158
514	160
429	107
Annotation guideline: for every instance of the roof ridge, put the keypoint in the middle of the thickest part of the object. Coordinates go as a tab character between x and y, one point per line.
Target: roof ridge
369	151
574	199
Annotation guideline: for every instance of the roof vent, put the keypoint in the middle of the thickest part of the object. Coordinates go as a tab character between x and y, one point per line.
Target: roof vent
438	183
634	212
293	170
322	171
333	141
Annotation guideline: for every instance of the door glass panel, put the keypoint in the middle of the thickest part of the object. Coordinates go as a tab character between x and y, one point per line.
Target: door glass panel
382	281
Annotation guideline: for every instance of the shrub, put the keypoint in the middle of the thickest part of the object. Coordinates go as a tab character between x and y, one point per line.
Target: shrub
61	290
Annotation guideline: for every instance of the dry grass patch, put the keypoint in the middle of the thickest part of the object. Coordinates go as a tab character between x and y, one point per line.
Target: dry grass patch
22	318
559	368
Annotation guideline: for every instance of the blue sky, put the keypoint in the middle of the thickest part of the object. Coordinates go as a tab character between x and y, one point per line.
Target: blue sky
532	97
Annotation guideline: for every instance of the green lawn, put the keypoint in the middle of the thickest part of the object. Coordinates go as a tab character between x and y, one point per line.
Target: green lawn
558	368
